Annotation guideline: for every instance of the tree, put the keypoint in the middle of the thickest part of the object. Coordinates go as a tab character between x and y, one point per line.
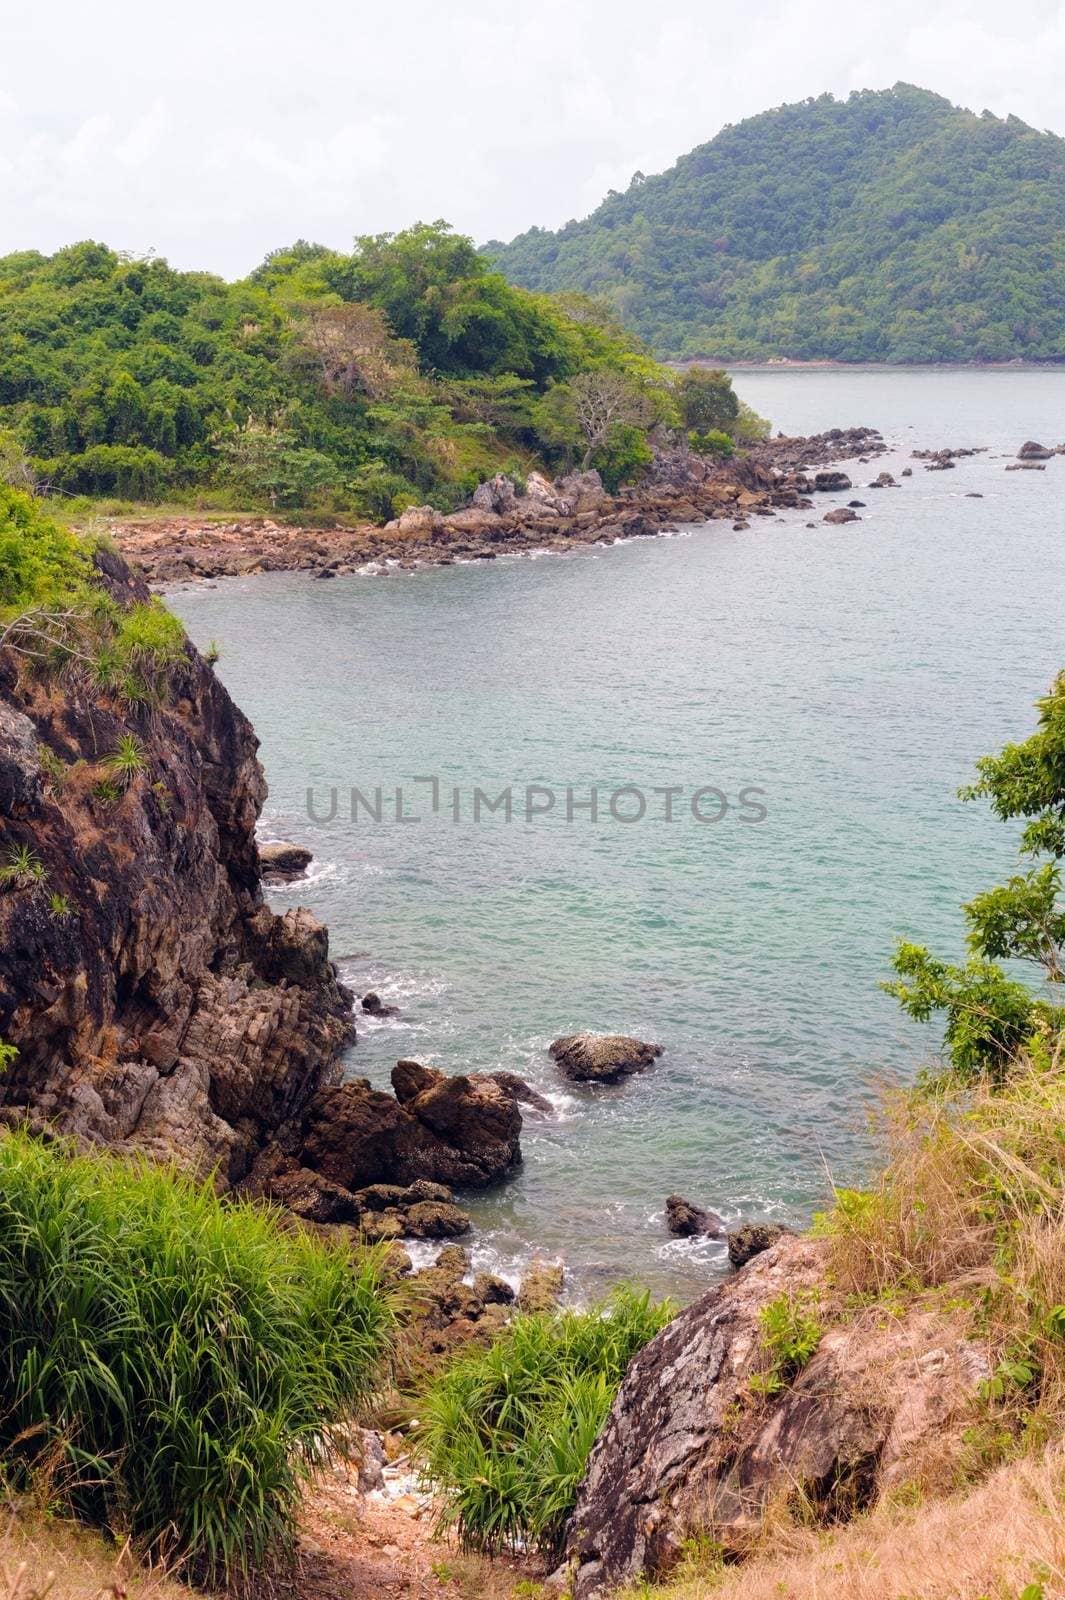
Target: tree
268	463
707	401
990	1016
597	402
350	348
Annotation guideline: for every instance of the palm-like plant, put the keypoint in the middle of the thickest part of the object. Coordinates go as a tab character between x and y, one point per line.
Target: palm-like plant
22	869
128	761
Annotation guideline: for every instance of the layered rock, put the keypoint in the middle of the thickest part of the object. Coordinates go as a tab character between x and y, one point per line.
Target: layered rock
157	1001
692	1447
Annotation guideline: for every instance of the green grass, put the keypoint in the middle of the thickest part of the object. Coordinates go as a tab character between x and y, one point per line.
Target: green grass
173	1362
506	1432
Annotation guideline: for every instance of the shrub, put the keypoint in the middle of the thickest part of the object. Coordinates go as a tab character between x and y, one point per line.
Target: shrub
790	1335
506	1432
22	868
178	1360
127	761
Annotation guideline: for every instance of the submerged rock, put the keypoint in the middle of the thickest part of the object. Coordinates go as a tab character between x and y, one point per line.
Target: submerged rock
841	514
522	1092
602	1057
686	1219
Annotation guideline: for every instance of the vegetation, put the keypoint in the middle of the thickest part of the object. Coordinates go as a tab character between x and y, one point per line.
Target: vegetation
172	1363
790	1335
992	1019
404	372
890	226
54	615
506	1432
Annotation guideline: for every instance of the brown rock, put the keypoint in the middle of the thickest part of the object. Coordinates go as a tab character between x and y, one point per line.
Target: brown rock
841	514
541	1285
687	1450
374	1006
1031	451
522	1092
602	1057
831	482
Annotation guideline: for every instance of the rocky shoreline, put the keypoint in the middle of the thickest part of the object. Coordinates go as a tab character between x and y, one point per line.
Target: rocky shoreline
680	487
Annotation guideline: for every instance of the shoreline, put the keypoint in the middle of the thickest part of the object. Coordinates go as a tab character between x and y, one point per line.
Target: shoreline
778	474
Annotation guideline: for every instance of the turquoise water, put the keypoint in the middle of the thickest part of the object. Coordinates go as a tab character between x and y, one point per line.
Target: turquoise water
853	674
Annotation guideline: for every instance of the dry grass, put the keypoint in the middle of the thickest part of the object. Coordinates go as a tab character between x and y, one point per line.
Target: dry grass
971	1204
43	1557
993	1542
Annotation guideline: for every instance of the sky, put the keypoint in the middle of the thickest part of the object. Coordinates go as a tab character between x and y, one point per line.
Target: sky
212	131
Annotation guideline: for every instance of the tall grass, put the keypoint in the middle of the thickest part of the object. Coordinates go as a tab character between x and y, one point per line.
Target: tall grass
506	1432
176	1361
971	1201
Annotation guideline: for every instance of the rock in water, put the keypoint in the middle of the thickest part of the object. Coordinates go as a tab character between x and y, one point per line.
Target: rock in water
522	1092
686	1220
1031	451
684	1452
541	1285
374	1006
831	482
281	862
751	1238
602	1057
841	514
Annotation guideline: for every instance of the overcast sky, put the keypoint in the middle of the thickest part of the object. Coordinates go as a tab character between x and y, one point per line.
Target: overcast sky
214	130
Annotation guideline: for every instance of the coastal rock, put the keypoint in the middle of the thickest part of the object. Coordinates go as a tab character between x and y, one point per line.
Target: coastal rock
419	1211
1026	466
751	1238
498	495
841	514
688	1451
20	766
417	521
1031	451
541	1285
602	1057
582	491
278	1178
686	1219
218	1020
281	862
460	1131
831	482
522	1092
883	480
374	1006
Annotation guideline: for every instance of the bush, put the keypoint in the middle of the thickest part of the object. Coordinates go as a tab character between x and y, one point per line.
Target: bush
177	1361
40	564
506	1432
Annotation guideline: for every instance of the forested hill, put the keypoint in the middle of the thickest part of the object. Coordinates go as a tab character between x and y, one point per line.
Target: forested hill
890	226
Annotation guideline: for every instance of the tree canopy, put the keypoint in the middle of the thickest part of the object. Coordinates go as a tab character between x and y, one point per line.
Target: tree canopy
889	226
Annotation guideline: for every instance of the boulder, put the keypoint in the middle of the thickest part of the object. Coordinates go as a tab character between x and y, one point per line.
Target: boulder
278	1178
883	480
1031	451
687	1220
281	861
451	1130
541	1285
498	495
417	521
751	1238
420	1210
602	1057
691	1450
582	490
374	1006
831	482
841	514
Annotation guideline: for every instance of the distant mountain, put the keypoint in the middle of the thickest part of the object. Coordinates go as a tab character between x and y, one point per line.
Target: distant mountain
890	226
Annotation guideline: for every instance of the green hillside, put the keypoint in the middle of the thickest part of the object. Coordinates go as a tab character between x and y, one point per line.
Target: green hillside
890	226
406	371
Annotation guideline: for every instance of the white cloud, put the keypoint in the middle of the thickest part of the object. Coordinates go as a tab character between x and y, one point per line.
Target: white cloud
252	124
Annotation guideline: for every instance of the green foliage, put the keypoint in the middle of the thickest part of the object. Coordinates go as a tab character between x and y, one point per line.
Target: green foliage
8	1056
889	226
178	1358
790	1335
403	372
40	564
706	400
21	868
59	907
992	1018
506	1432
127	762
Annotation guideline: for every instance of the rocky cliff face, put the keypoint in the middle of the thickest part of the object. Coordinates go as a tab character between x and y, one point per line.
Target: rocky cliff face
152	996
693	1446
